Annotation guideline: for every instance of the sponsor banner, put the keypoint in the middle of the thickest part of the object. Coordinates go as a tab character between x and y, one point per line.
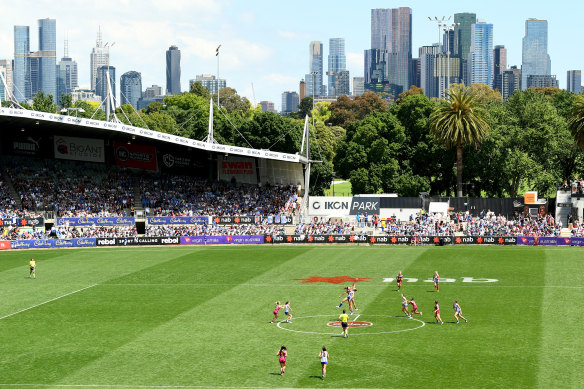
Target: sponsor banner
365	205
577	241
30	244
235	239
253	219
147	241
26	222
79	149
172	161
316	239
539	240
26	146
5	245
52	243
98	221
135	156
329	206
563	241
105	242
238	168
162	220
547	241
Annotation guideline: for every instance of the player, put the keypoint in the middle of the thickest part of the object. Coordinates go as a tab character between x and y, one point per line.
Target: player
399	280
436	279
32	268
405	306
344	319
324	356
276	310
350	293
437	313
458	312
282	355
287	310
415	307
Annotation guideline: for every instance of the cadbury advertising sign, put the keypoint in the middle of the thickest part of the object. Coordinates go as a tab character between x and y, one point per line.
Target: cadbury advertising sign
163	220
52	243
98	221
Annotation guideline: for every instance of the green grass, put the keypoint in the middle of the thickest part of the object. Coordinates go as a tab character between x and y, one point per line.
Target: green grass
343	189
189	317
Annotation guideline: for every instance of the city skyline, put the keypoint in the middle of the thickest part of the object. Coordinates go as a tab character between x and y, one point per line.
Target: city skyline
260	45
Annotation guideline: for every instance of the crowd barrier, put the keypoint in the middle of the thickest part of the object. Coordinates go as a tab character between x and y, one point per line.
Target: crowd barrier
294	239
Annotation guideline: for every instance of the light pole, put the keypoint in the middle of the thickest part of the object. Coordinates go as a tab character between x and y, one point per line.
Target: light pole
218	86
447	29
66	110
313	88
440	22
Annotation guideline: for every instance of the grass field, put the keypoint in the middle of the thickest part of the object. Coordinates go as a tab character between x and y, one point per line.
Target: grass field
185	317
342	189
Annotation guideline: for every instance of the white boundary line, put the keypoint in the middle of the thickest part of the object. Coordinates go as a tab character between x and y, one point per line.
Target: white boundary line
130	386
352	334
46	302
468	285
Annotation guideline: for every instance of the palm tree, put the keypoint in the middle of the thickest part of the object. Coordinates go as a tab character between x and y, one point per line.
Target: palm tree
458	120
576	122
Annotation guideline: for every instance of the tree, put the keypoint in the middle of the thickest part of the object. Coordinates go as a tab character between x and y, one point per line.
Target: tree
44	103
198	89
304	108
483	94
231	102
346	110
66	100
458	120
576	122
413	91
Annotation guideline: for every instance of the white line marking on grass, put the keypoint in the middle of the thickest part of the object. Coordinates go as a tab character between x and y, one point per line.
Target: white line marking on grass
130	386
352	333
356	317
46	302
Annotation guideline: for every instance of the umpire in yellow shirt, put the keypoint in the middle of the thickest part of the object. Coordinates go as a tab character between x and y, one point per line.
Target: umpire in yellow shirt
344	319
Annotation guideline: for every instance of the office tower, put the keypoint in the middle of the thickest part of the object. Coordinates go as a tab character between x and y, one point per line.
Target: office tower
448	42
481	54
391	50
99	57
130	88
6	70
499	66
101	82
416	72
427	56
173	71
67	76
209	81
21	75
267	106
290	103
153	91
48	57
574	82
358	88
511	81
542	81
337	62
535	57
314	79
462	41
302	89
342	83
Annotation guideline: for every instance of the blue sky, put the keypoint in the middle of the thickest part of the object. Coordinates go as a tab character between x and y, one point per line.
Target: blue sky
265	43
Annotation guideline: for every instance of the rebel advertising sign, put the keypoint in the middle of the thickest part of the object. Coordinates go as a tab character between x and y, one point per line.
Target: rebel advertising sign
234	239
24	222
135	156
79	149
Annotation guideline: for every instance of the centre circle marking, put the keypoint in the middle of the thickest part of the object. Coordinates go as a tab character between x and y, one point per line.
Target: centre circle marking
422	324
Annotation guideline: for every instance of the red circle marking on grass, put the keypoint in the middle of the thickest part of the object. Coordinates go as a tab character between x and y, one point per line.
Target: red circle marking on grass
351	324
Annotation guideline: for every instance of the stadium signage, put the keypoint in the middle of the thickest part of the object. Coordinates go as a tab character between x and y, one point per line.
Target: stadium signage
147	241
234	239
24	222
98	221
329	206
5	245
315	239
79	149
164	220
52	243
365	205
135	156
277	219
28	146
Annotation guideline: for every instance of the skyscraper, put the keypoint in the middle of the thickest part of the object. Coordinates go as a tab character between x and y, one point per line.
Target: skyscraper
342	83
209	81
391	48
67	77
6	70
267	106
99	57
511	82
481	54
101	82
358	89
535	57
21	76
173	71
47	57
314	79
130	88
337	62
574	82
499	66
462	39
427	56
290	102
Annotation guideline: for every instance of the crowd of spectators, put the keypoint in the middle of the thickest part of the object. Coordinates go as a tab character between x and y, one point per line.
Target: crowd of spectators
185	196
71	188
20	233
575	186
226	230
329	227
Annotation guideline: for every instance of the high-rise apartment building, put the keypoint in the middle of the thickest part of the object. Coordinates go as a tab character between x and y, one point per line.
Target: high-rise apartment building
99	57
6	70
391	50
535	57
173	71
153	91
67	76
574	82
337	62
314	79
427	56
130	88
481	54
358	87
542	81
302	89
499	66
290	103
209	81
47	57
511	81
21	75
462	41
342	83
267	106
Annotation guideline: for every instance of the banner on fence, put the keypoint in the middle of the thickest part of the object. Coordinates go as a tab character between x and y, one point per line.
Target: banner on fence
24	222
235	239
52	243
253	219
98	221
5	245
162	220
